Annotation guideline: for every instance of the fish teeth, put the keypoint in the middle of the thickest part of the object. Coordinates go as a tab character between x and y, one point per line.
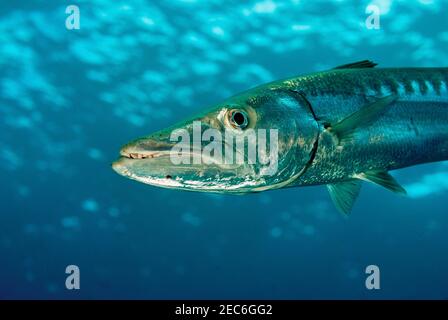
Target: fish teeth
141	156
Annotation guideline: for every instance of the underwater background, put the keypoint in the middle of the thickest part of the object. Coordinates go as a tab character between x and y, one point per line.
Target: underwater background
69	99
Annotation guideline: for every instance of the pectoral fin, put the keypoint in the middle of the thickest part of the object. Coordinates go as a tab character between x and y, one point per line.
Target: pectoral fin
345	129
344	194
382	178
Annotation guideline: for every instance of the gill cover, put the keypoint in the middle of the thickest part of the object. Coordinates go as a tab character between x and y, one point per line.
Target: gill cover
292	115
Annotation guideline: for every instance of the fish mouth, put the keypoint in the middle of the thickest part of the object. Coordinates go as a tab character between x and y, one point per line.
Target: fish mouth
161	161
143	155
154	166
135	157
155	153
149	167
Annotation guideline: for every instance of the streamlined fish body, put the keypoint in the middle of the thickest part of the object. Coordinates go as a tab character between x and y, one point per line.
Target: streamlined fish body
339	127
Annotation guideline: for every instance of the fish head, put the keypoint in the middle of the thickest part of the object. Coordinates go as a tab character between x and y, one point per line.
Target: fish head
255	141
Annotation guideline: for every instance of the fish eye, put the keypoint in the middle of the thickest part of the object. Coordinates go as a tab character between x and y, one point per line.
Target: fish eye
239	119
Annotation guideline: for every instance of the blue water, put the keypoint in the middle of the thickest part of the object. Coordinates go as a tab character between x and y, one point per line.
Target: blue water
70	98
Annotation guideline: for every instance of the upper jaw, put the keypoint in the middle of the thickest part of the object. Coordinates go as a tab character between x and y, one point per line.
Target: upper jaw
146	148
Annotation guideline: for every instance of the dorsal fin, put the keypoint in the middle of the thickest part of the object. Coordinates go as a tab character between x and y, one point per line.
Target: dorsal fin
344	194
358	65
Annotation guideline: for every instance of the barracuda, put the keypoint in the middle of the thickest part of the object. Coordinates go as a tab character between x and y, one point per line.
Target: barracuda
336	128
